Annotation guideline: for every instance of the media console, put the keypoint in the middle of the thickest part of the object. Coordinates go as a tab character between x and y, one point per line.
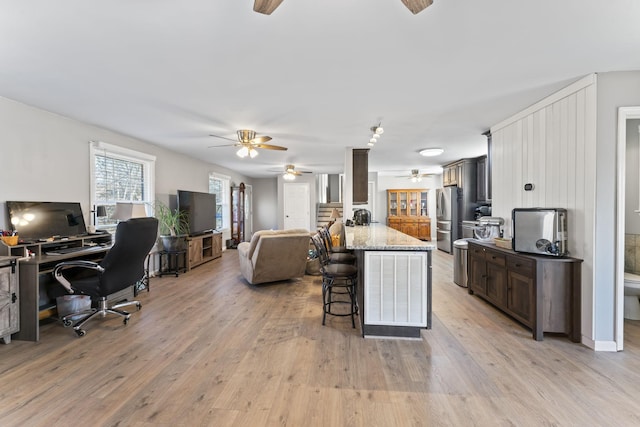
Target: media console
37	261
203	248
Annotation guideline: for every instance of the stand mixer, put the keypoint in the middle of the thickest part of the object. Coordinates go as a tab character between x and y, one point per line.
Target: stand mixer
488	228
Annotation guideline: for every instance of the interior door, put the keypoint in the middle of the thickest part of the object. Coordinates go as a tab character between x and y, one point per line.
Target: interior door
297	206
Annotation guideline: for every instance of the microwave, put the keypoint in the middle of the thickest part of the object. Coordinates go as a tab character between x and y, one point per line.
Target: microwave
540	231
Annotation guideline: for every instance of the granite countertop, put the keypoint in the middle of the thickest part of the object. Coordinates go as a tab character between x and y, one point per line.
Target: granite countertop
380	237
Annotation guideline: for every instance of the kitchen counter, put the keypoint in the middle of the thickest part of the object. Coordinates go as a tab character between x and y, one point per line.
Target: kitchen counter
379	237
394	280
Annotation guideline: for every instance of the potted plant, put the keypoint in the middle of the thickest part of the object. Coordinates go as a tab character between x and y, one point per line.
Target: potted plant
174	227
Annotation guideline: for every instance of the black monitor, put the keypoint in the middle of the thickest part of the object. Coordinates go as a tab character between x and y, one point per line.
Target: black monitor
44	220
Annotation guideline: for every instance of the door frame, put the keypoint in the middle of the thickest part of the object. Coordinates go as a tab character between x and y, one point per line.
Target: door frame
624	114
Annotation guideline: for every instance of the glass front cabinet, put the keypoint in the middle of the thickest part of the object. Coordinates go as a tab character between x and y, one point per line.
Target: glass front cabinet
407	212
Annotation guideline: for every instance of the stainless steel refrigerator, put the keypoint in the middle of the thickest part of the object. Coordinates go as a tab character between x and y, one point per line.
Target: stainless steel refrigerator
447	203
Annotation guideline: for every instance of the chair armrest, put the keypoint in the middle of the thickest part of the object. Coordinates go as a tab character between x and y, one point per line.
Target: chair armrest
57	271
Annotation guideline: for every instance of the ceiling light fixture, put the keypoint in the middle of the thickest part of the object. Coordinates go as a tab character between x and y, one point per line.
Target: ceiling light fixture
431	152
247	151
289	176
242	152
378	130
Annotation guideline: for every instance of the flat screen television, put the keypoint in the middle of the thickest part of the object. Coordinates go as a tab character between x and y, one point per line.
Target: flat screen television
43	220
200	209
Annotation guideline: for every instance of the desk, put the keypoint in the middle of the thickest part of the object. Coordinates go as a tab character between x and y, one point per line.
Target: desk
35	275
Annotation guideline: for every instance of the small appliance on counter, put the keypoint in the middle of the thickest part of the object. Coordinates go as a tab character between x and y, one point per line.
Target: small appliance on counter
540	231
362	217
489	227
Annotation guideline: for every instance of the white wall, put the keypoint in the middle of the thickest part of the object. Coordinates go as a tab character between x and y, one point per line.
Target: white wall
47	159
566	145
265	199
553	145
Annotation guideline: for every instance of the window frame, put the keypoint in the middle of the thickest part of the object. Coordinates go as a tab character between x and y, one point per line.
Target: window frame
100	148
225	202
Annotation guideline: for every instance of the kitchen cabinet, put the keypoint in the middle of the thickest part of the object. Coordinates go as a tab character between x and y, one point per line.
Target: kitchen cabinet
407	212
483	185
541	292
462	174
360	176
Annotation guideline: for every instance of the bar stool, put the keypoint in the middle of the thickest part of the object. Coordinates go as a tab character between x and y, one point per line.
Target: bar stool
332	258
326	235
338	280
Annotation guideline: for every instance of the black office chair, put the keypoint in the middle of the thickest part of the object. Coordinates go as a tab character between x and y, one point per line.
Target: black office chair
122	267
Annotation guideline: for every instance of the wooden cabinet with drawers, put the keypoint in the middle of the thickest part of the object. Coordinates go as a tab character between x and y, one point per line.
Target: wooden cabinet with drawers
541	292
407	212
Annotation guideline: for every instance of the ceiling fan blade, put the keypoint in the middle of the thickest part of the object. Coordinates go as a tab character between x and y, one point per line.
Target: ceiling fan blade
266	6
270	147
261	139
224	137
417	6
226	145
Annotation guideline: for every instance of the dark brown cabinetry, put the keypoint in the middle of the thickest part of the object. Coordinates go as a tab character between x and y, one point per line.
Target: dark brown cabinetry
360	176
541	292
483	188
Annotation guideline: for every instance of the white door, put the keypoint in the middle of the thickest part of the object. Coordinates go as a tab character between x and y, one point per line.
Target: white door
296	206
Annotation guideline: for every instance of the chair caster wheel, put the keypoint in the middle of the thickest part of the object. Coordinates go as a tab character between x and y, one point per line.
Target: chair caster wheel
139	306
126	320
66	323
81	332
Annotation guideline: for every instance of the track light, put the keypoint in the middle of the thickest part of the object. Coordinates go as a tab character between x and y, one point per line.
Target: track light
379	130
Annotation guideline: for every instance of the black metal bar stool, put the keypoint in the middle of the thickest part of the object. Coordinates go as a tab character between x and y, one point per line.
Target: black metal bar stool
338	280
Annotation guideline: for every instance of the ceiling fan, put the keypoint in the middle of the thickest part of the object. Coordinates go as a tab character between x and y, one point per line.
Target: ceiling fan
416	176
290	172
266	7
248	142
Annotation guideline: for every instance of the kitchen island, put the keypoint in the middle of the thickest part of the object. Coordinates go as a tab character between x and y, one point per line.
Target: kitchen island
394	280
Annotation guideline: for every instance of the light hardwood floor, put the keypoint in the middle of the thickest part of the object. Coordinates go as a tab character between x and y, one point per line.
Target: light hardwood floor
209	350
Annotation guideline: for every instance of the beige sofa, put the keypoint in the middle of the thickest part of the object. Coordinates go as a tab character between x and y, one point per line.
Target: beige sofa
274	255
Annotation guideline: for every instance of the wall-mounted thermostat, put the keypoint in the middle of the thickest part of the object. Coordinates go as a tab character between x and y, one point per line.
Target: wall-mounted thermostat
528	187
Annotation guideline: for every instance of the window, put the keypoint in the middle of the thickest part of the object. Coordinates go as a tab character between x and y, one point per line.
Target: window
220	186
119	175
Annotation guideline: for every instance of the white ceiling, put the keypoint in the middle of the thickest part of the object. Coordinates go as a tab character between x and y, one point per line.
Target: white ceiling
314	75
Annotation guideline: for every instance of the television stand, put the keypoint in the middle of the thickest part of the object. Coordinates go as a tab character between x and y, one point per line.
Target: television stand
203	248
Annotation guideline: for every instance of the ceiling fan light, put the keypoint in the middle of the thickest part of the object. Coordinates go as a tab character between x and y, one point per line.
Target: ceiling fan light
431	152
242	152
289	176
253	152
